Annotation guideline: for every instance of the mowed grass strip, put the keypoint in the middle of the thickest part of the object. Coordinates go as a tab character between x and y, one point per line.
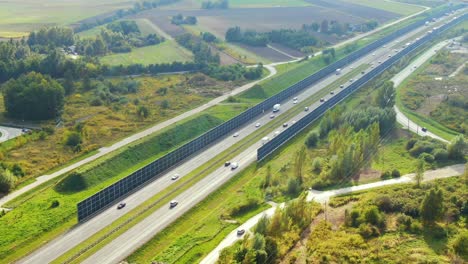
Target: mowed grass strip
32	223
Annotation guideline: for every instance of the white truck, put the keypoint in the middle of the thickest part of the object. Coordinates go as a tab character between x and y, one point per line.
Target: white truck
276	108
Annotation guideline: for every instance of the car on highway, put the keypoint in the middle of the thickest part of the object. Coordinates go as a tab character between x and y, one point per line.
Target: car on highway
351	80
227	163
306	108
389	56
240	232
173	203
121	205
295	99
175	177
363	72
276	133
322	100
373	54
234	165
293	122
424	129
272	116
342	86
285	125
235	134
384	46
379	62
257	125
351	67
332	92
295	102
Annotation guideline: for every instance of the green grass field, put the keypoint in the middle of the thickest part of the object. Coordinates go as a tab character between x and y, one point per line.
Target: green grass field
166	52
143	24
395	7
19	17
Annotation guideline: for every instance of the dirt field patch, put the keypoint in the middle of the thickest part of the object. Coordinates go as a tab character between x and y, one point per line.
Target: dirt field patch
266	52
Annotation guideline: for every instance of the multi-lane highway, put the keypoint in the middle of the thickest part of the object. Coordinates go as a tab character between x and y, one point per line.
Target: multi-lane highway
140	233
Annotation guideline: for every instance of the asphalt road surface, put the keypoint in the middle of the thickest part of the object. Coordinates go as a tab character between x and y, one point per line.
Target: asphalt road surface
323	197
140	233
8	133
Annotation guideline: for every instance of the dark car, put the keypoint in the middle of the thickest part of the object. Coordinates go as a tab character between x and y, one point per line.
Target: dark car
240	232
173	203
285	125
424	129
322	100
227	163
332	92
121	205
341	86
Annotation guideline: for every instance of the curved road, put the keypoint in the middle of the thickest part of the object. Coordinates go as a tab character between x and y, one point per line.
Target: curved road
323	197
106	150
405	73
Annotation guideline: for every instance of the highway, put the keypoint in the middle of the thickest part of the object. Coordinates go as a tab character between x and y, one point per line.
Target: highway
106	150
139	234
323	197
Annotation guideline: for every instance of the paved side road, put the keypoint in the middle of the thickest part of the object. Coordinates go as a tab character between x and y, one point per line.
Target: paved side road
323	197
8	133
405	73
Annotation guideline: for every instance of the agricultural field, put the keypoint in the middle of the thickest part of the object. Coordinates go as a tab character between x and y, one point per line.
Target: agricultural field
196	4
167	52
438	91
391	6
19	17
287	17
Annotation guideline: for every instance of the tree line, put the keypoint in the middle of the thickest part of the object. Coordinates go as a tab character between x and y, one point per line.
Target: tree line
118	37
220	4
296	39
179	19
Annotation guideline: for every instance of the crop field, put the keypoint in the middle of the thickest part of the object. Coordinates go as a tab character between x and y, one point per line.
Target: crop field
166	52
18	17
391	6
196	4
218	21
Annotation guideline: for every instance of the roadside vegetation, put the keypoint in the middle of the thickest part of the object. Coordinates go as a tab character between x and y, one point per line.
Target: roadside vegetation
392	224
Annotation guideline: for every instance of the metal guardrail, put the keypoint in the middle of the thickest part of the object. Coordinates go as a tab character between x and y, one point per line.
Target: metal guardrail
300	125
125	186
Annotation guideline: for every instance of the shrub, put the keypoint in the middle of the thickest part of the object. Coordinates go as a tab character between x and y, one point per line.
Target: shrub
385	175
96	102
54	204
7	180
460	245
165	104
410	143
396	173
317	165
416	227
427	157
312	139
384	203
73	139
404	222
440	154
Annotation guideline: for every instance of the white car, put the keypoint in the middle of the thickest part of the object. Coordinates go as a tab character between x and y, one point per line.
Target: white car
234	165
175	177
173	203
272	116
235	134
257	125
